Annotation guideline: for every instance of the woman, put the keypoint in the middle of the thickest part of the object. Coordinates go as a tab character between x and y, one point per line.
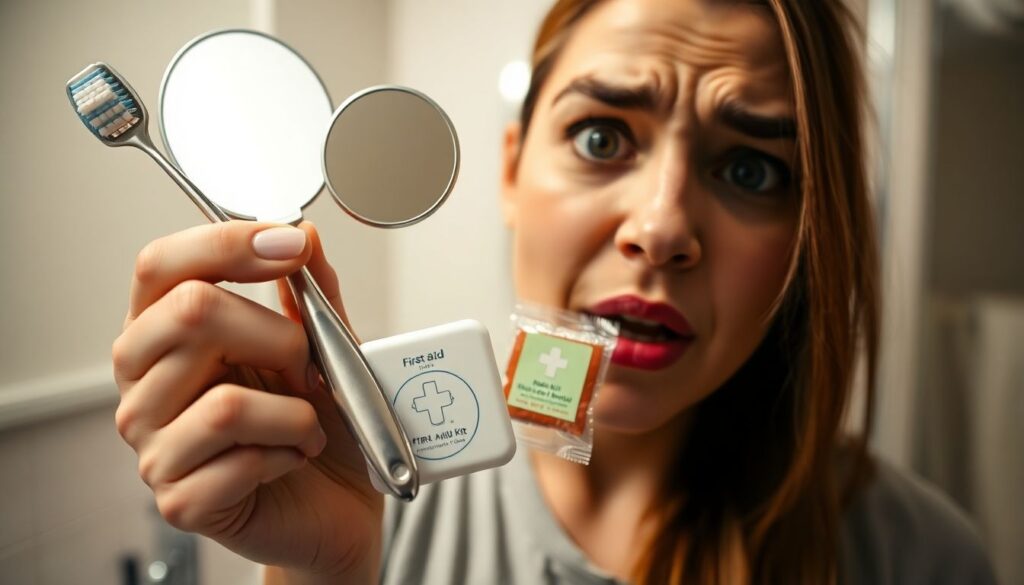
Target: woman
691	168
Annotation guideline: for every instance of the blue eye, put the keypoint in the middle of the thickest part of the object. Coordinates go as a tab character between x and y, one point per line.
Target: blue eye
754	171
601	140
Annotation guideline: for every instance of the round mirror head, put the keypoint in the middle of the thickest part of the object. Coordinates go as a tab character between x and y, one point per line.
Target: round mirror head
391	156
243	116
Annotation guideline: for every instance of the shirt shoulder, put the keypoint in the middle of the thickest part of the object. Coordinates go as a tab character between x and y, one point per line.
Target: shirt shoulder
491	526
461	530
427	540
902	530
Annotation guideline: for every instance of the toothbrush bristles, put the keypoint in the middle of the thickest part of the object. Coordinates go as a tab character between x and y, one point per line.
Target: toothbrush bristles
103	103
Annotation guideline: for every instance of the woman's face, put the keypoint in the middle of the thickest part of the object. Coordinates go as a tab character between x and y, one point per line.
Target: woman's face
656	185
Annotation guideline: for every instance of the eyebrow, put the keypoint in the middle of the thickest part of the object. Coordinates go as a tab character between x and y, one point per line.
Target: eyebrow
766	127
645	97
641	97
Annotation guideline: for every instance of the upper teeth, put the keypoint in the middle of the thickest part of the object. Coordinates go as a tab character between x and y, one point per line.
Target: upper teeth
639	321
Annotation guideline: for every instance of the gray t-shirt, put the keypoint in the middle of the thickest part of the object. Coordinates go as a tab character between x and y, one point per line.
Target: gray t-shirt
493	527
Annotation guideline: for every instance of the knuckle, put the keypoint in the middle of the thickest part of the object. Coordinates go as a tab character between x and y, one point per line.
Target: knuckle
124	419
173	507
147	468
224	405
193	301
121	357
147	261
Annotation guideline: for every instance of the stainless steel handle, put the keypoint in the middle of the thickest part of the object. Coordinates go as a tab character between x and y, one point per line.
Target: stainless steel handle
356	391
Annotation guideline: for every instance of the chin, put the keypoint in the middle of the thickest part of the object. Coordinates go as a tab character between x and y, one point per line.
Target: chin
630	411
629	406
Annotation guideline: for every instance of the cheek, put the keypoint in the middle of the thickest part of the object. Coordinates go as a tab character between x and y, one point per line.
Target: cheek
539	268
749	267
558	229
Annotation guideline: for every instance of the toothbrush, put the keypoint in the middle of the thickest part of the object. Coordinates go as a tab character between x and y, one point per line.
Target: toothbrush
113	112
110	108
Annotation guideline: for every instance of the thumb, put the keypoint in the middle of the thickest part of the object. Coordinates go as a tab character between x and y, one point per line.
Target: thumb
324	275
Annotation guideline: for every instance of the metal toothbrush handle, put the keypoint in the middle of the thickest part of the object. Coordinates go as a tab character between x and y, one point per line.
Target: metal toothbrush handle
212	212
356	390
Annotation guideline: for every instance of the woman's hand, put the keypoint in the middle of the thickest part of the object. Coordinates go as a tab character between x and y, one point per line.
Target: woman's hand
221	401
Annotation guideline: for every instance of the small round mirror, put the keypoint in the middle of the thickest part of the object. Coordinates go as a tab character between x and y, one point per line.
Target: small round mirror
244	117
391	156
249	122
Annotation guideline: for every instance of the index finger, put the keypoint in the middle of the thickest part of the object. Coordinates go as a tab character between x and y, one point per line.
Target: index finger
236	251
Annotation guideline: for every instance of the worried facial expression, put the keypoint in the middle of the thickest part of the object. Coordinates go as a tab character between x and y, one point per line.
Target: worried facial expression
657	185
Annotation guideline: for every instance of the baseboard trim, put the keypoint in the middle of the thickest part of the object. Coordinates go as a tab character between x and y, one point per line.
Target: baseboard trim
35	400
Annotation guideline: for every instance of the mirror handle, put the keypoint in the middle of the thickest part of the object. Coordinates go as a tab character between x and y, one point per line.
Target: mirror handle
356	391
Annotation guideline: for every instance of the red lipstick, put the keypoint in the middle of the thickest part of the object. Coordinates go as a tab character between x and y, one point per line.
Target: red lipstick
652	336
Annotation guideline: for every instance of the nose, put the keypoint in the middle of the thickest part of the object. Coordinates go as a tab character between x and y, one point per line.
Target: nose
658	226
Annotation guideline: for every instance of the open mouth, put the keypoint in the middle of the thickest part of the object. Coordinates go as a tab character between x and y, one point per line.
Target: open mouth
643	320
652	335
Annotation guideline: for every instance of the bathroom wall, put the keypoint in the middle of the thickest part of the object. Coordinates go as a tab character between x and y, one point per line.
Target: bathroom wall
76	212
73	506
976	240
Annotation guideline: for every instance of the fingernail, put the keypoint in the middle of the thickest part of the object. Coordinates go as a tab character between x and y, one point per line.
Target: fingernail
312	377
279	243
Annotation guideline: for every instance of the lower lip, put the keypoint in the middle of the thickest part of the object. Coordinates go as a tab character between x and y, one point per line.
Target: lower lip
649	355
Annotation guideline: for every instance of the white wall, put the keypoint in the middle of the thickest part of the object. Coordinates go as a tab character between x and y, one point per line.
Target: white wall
74	211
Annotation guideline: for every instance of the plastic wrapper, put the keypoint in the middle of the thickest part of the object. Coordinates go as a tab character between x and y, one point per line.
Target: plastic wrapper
555	370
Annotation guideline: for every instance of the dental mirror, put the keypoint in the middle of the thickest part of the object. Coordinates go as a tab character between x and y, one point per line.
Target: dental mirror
243	116
391	156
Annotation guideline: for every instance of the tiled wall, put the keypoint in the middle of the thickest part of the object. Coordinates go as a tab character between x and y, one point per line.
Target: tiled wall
72	504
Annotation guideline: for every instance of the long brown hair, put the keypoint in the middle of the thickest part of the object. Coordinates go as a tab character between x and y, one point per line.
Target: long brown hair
758	491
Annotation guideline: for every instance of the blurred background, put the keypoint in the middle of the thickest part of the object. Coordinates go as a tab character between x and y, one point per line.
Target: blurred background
949	164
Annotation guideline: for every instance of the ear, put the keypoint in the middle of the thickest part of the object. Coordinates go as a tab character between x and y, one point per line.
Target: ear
509	173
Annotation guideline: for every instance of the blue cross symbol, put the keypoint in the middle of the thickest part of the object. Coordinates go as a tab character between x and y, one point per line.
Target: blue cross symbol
433	402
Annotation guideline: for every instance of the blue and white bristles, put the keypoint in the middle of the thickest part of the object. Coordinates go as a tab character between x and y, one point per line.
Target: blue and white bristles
102	102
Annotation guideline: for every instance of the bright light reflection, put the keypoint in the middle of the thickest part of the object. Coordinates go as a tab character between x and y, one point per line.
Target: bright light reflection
513	81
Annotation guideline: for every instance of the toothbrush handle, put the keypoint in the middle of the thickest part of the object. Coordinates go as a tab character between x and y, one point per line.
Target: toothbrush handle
356	391
372	420
212	212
